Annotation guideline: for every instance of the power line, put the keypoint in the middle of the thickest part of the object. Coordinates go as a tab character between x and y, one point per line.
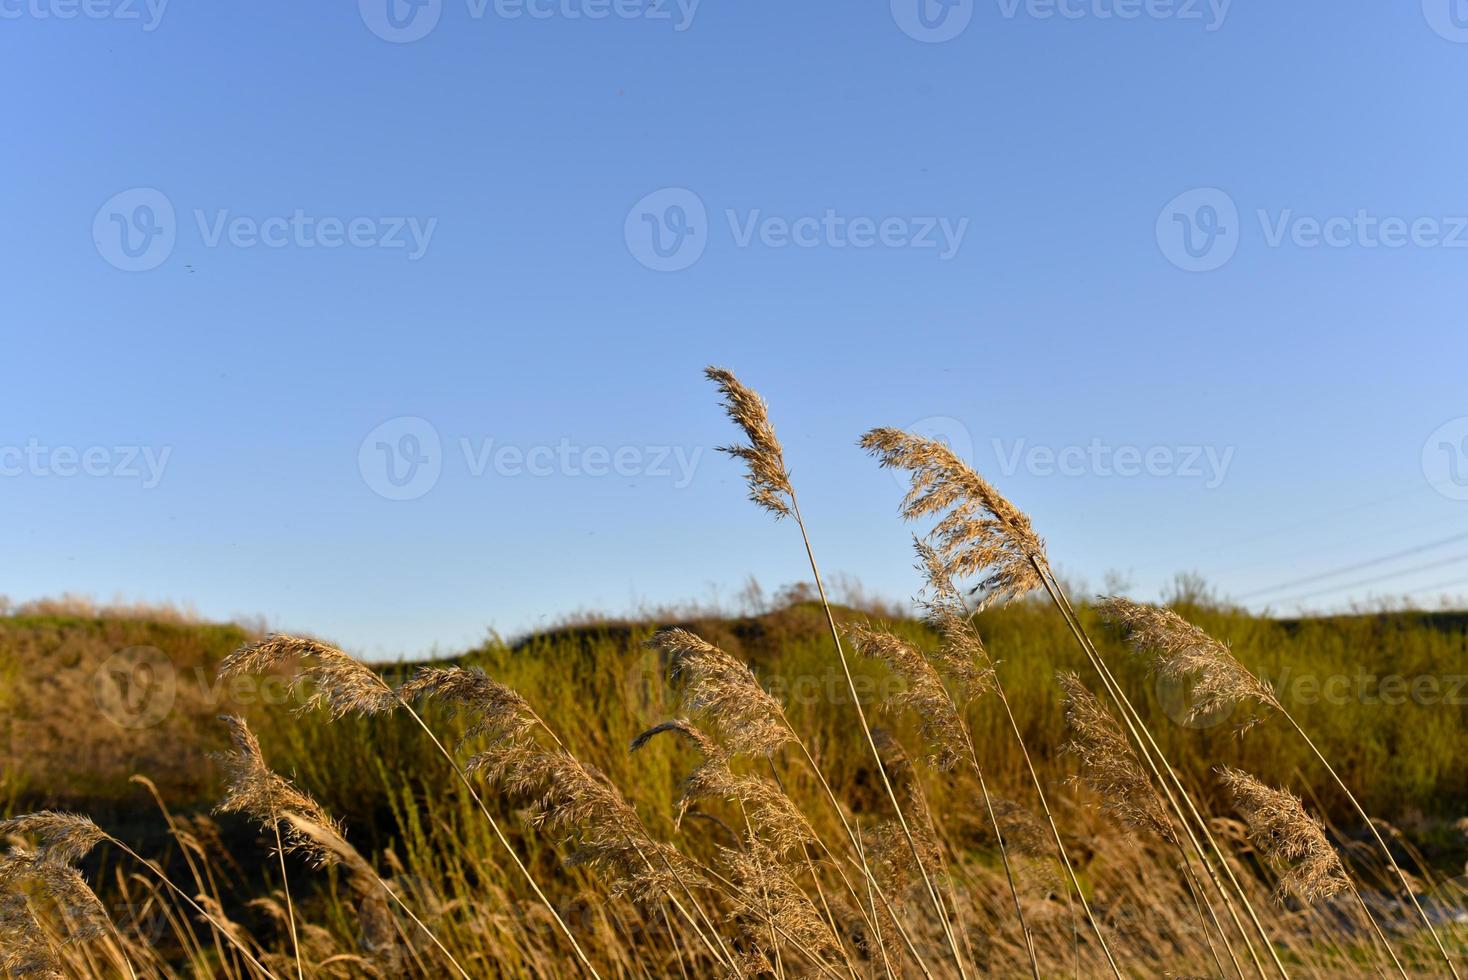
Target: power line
1405	553
1316	519
1375	579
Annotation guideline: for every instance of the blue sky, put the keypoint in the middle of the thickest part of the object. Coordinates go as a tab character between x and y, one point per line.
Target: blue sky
1219	248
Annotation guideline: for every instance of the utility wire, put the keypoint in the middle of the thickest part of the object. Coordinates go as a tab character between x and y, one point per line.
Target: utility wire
1418	549
1375	579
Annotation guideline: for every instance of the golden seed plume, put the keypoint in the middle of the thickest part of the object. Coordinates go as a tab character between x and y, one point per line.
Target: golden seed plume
724	693
1178	651
1284	832
254	789
1109	765
780	823
769	481
61	837
573	802
329	678
979	533
925	694
766	894
379	938
496	709
580	807
45	876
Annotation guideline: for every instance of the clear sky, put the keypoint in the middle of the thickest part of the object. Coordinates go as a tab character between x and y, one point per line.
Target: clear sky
1185	280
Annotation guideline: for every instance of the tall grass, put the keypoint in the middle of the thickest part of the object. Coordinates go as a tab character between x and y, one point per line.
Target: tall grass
815	791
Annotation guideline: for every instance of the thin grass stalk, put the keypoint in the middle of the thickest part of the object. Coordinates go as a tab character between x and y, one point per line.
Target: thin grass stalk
1055	832
770	488
1260	692
872	745
854	836
816	878
188	857
218	927
499	834
1004	858
290	910
948	729
1371	825
1148	745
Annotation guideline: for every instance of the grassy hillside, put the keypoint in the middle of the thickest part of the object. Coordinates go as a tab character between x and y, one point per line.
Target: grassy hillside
89	701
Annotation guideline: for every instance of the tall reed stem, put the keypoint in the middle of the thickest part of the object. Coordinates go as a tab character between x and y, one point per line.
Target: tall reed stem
871	743
1152	753
1371	825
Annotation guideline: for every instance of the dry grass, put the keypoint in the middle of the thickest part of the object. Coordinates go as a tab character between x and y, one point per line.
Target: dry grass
748	832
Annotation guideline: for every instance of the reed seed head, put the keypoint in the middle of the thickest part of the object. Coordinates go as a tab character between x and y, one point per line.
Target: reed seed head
1178	651
924	695
780	822
764	459
722	691
1285	833
255	790
979	532
500	710
62	838
329	678
1108	763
